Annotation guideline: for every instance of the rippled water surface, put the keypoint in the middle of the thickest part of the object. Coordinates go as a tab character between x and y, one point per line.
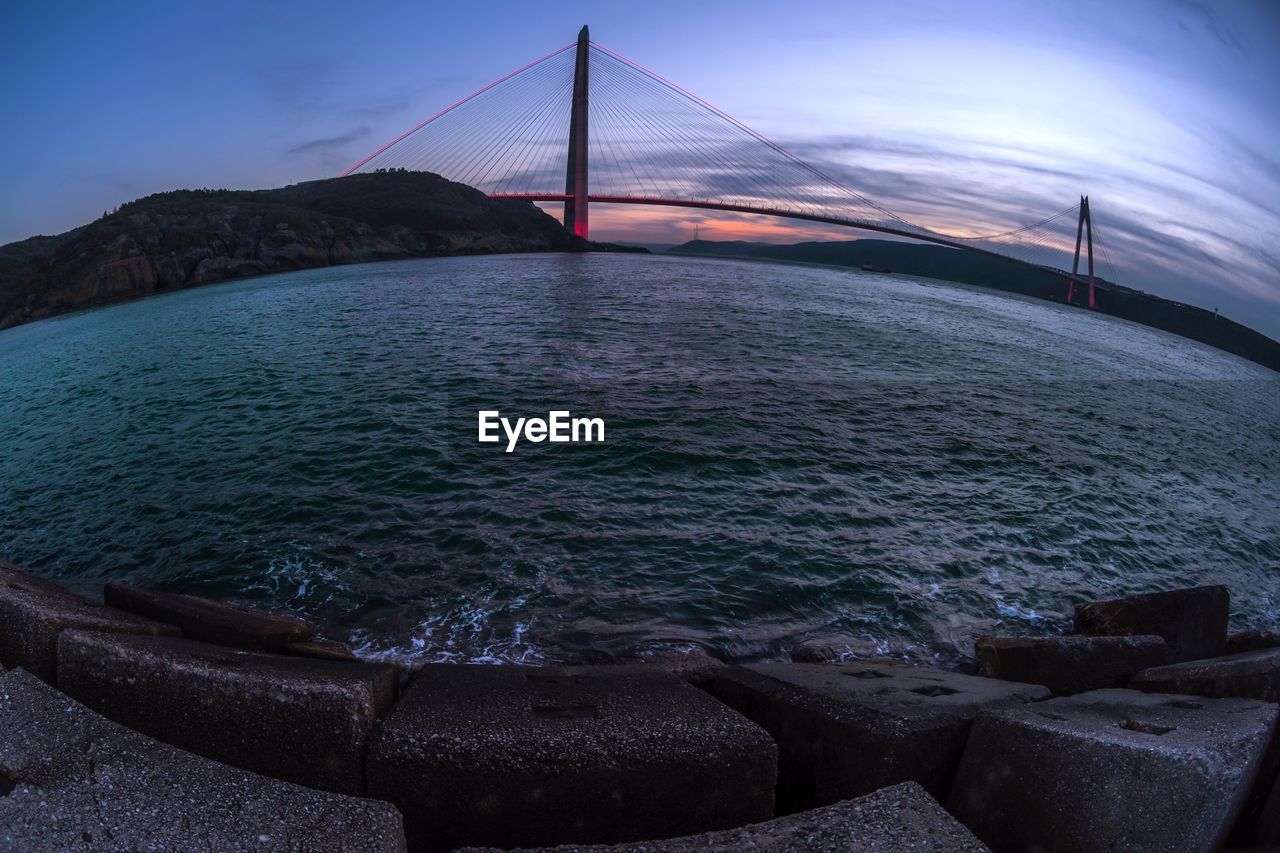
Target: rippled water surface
791	453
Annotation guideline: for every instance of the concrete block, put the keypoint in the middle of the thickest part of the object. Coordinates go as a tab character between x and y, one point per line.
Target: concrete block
1252	641
844	730
901	817
77	781
1111	770
693	665
512	755
1251	675
1192	621
1264	831
323	650
33	612
302	720
212	621
838	649
1069	665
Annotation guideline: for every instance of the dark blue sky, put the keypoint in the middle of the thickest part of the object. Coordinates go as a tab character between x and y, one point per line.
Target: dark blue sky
974	114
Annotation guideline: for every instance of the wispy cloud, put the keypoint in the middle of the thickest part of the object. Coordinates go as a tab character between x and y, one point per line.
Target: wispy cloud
329	143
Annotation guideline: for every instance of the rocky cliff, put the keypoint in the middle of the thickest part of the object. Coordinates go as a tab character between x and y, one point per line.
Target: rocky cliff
189	237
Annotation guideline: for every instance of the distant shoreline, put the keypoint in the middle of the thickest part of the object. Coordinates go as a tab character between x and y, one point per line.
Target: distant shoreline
959	267
185	238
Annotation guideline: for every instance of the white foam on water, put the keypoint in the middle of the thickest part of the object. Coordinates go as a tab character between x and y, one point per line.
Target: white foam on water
462	629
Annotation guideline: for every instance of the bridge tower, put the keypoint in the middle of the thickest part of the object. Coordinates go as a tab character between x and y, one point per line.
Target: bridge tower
575	181
1083	227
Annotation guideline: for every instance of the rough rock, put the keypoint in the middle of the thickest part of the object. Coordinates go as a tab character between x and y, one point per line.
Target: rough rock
901	817
512	755
1069	665
297	719
844	730
1252	641
212	621
1111	770
1250	675
33	612
78	781
1192	621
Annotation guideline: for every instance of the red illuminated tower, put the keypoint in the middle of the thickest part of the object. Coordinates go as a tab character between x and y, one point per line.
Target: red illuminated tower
575	181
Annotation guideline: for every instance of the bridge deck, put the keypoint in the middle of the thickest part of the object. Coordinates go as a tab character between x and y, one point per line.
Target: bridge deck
783	213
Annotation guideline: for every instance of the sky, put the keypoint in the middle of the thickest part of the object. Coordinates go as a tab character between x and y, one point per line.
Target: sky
968	117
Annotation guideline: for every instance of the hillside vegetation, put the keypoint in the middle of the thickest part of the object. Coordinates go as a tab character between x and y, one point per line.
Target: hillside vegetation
189	237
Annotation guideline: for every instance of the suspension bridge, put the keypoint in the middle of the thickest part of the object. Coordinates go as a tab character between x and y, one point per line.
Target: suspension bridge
584	125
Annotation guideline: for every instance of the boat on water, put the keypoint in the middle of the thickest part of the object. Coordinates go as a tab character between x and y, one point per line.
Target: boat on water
871	268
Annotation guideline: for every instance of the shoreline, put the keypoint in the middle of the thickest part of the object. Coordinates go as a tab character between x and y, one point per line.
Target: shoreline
1263	351
259	693
609	248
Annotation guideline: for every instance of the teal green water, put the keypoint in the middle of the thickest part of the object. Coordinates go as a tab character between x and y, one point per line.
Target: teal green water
791	453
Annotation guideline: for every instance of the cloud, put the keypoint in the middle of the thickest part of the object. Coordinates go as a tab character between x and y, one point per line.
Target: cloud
1204	19
1169	223
329	143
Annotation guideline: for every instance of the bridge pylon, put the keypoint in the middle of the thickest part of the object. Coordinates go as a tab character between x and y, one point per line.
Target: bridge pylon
1083	227
657	144
575	181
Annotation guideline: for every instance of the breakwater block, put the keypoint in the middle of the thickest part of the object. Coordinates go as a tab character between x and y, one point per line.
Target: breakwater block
693	665
511	755
1261	830
79	781
1192	621
1069	665
323	650
297	719
211	621
901	817
844	730
33	612
1252	641
1251	675
1111	769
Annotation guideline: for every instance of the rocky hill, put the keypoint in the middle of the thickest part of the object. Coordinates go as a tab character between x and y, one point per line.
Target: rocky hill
188	237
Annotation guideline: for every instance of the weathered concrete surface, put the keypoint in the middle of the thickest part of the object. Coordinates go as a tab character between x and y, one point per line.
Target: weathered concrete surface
83	782
693	665
1252	641
302	720
33	612
1263	831
513	755
1069	665
899	818
1251	675
847	649
322	649
844	730
1111	770
1193	621
212	621
833	650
